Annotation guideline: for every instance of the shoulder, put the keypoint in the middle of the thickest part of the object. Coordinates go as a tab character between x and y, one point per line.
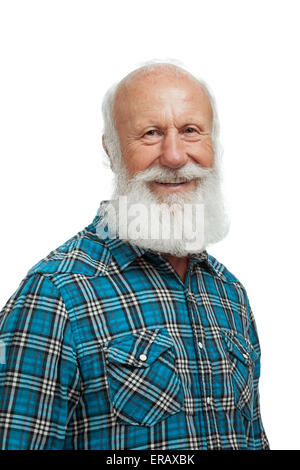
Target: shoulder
229	279
235	291
222	271
84	253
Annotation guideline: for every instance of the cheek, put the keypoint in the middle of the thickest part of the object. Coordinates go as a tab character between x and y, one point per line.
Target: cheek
138	158
203	152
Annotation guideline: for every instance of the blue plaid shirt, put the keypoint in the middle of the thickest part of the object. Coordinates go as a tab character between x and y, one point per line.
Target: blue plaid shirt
107	348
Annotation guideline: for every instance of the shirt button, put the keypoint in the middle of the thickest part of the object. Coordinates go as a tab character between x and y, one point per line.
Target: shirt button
190	296
208	400
200	345
143	357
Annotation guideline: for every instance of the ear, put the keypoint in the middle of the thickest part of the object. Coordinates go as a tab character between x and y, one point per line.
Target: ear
107	153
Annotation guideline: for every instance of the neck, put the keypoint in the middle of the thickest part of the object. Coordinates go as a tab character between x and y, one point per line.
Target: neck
179	264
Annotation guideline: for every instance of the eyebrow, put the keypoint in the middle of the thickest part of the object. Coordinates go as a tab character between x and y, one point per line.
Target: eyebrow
142	125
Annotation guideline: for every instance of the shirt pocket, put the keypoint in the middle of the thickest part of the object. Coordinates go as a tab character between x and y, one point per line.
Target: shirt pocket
242	357
143	384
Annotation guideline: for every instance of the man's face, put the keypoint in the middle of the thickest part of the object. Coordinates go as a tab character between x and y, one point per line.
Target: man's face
164	121
164	125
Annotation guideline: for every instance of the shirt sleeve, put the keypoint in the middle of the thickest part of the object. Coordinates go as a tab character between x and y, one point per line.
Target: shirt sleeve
39	375
257	437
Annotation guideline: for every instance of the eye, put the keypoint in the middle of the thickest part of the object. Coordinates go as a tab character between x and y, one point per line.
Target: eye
151	132
190	130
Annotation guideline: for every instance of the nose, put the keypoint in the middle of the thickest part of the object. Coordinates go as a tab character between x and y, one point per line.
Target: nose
172	151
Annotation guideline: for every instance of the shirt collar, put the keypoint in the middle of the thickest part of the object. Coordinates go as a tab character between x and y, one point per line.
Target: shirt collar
125	253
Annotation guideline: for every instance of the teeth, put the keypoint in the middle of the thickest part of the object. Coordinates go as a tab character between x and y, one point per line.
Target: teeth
171	182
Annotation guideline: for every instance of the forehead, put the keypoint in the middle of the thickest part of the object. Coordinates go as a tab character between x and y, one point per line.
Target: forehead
148	98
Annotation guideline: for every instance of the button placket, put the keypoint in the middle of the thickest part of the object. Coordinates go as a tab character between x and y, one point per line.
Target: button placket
193	304
193	318
201	352
206	378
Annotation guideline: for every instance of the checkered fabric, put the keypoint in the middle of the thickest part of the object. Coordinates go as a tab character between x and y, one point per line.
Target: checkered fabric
107	348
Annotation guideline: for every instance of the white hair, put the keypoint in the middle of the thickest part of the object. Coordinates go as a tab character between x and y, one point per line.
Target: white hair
110	135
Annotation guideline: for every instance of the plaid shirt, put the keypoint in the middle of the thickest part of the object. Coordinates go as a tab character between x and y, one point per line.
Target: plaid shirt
107	348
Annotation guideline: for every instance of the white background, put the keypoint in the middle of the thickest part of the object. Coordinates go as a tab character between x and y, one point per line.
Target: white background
58	58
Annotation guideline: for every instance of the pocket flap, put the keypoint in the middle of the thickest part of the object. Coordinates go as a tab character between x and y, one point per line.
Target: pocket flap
138	349
239	347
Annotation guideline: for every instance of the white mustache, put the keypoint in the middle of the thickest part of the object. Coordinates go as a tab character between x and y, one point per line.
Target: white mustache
163	174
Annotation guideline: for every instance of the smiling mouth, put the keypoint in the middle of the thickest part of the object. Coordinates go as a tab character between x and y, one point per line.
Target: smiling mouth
173	183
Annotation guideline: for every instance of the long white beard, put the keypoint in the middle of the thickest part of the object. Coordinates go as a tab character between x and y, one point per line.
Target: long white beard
182	236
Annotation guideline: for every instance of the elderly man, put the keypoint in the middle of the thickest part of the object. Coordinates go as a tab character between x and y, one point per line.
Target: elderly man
130	335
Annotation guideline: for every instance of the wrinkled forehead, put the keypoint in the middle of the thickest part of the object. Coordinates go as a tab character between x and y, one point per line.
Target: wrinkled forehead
142	92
